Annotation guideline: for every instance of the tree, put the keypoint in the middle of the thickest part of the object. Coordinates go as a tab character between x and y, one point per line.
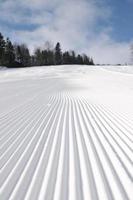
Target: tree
9	57
79	60
73	57
33	60
58	54
91	62
24	55
38	57
18	55
86	60
50	55
44	57
2	49
66	58
48	46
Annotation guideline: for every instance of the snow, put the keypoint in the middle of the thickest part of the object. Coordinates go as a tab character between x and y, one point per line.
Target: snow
66	133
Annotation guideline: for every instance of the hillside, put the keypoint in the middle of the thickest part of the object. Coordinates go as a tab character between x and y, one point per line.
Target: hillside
66	133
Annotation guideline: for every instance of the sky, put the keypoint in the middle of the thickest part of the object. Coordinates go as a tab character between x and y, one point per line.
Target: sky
102	29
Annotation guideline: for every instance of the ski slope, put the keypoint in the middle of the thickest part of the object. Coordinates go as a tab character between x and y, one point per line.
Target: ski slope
66	133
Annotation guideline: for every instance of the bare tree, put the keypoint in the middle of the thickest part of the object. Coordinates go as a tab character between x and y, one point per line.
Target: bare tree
48	46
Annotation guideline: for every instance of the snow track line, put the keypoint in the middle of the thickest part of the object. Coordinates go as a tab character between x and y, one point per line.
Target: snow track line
26	153
3	116
61	187
10	133
119	124
104	122
28	171
51	174
110	166
25	103
126	146
18	120
115	149
16	135
18	131
13	113
123	121
26	135
20	107
126	141
78	181
11	117
86	168
34	188
91	131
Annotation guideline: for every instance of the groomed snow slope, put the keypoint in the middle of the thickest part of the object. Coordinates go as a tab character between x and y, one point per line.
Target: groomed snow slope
66	133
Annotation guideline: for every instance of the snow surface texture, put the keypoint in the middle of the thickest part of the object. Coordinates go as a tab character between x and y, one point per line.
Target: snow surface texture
66	133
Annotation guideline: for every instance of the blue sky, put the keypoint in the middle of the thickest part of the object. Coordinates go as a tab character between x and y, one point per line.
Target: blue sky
101	28
121	19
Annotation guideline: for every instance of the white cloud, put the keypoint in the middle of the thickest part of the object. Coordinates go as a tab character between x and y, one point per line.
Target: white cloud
72	22
110	51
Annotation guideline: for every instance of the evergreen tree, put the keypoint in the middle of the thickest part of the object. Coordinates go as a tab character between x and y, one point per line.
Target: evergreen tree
18	54
45	59
38	57
91	62
73	58
22	55
33	60
66	58
79	60
2	49
9	57
58	54
50	55
86	60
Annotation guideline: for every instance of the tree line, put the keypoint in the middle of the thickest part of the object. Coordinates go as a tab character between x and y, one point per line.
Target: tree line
18	55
